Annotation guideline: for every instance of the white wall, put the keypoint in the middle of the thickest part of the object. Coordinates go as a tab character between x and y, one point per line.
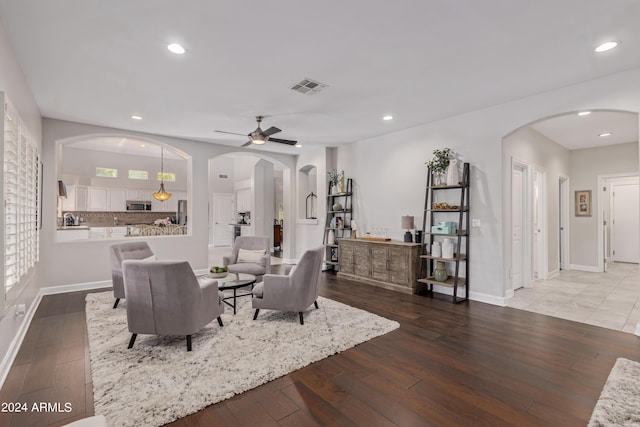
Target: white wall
309	232
528	146
586	165
390	174
82	262
264	200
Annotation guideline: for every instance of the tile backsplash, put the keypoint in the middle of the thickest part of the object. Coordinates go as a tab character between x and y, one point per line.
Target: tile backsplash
106	219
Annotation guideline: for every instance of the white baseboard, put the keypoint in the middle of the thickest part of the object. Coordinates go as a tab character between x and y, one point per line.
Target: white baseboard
16	342
62	289
589	268
473	296
553	274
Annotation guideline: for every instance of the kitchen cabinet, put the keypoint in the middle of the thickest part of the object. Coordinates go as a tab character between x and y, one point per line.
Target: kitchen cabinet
243	200
76	199
388	264
97	199
117	200
139	195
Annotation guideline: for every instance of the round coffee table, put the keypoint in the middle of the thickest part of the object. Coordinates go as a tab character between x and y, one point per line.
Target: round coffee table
234	281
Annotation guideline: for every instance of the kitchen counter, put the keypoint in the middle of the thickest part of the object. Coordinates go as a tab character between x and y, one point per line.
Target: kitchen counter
73	227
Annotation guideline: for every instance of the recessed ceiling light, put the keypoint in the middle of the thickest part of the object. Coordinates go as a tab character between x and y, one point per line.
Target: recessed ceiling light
387	118
134	117
584	113
606	46
176	48
141	145
298	145
605	134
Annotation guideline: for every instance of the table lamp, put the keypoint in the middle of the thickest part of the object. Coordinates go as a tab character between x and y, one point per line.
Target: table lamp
407	224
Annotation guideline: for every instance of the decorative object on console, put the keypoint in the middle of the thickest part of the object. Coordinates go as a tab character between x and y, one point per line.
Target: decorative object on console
161	195
418	236
407	224
438	165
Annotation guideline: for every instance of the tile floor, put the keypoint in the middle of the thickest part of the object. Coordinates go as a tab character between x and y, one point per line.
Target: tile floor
610	300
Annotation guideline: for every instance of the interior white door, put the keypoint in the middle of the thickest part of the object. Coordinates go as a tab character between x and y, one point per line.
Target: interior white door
516	228
222	219
625	244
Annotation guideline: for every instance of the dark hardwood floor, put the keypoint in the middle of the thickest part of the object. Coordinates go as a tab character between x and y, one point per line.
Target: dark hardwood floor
447	365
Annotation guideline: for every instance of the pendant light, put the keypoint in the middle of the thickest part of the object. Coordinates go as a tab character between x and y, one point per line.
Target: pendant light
161	195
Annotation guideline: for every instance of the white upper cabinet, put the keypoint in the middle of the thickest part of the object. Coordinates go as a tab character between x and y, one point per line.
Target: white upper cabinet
117	200
76	199
98	199
243	202
139	195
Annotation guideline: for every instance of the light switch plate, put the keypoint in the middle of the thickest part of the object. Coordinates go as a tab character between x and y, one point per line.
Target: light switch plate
475	223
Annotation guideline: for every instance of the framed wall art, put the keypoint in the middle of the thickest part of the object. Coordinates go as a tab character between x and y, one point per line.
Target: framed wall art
583	203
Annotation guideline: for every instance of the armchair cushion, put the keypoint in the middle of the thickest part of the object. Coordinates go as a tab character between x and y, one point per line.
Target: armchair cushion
251	255
246	255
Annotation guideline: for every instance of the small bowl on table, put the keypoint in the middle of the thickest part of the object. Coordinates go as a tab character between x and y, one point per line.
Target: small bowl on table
218	275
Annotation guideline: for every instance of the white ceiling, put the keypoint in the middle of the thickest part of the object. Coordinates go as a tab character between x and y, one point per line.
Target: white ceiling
99	62
575	132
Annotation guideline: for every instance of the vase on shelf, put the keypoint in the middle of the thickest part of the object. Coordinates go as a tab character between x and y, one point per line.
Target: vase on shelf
331	237
440	273
452	173
342	184
438	178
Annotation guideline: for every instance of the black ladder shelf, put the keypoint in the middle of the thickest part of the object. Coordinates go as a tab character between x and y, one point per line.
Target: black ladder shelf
427	264
338	222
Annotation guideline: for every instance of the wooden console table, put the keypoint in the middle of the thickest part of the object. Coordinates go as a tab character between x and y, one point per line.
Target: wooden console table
390	265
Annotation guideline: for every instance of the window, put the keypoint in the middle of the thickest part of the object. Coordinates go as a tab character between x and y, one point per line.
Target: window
107	172
21	177
166	176
138	174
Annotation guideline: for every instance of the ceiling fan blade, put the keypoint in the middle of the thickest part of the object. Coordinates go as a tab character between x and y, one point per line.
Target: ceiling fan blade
230	133
283	141
246	143
271	131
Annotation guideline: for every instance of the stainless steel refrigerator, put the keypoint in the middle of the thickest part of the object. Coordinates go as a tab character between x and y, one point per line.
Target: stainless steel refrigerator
181	216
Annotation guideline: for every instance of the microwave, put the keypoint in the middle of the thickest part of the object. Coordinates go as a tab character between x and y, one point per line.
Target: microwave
138	205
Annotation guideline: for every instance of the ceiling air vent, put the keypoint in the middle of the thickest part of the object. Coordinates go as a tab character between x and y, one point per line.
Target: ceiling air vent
308	86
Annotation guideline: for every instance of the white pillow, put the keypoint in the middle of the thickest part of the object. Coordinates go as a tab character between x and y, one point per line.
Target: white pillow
245	255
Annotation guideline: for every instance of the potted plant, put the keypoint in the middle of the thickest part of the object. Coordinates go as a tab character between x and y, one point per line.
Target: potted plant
439	164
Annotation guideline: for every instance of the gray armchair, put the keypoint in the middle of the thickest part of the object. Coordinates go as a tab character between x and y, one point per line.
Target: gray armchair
166	298
121	252
245	256
295	291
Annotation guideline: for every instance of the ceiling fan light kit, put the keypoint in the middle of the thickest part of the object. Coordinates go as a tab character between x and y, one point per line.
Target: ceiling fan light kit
260	137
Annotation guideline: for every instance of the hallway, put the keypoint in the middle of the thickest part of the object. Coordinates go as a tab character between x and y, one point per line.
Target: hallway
609	300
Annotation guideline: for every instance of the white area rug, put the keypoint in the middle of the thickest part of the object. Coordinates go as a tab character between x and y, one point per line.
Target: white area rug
158	381
619	403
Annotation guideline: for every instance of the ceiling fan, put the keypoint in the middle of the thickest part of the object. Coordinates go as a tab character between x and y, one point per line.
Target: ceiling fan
259	136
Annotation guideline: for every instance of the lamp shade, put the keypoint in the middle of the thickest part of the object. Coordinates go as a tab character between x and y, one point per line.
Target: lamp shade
407	222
